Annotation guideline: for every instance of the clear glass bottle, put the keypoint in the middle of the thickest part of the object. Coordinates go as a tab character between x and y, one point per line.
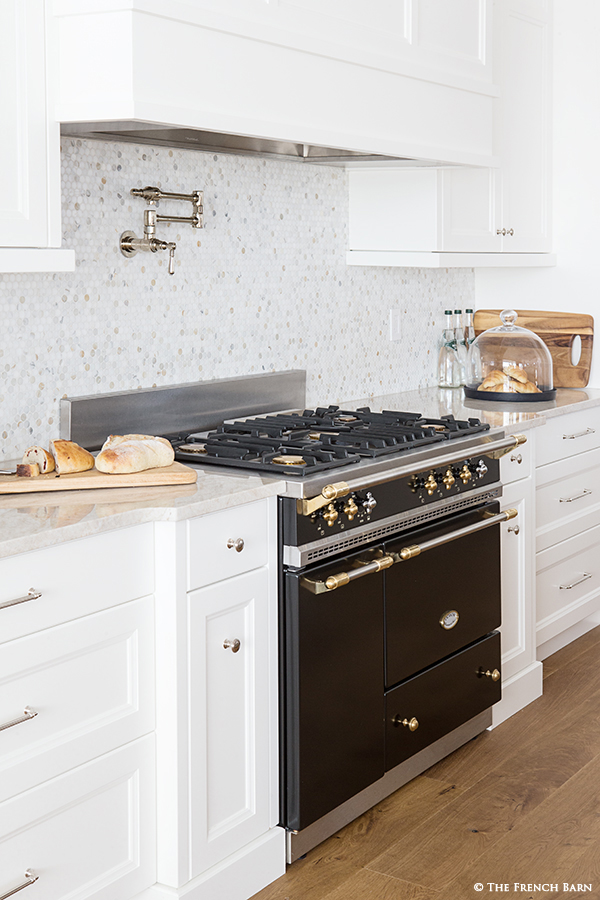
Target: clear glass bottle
448	364
461	346
469	328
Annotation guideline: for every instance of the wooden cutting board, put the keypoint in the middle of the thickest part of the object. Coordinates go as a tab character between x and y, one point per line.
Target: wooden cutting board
557	330
176	473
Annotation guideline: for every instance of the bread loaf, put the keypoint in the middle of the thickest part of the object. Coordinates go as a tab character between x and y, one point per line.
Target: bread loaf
69	457
40	456
28	470
126	453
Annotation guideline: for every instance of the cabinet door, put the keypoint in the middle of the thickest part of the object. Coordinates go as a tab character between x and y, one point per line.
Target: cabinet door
522	128
518	579
23	138
471	204
230	761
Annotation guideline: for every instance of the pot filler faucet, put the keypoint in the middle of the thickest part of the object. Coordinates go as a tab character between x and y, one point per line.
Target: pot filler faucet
130	243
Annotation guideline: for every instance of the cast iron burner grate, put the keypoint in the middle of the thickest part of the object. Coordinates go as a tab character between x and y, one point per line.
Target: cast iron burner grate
305	443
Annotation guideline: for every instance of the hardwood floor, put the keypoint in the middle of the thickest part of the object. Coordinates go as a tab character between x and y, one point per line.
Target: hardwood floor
520	804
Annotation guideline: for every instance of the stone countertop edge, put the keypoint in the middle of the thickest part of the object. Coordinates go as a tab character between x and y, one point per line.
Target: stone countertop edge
33	521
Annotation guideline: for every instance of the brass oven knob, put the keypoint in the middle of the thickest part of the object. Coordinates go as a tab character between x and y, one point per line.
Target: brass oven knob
431	484
448	479
350	508
494	674
465	474
330	514
411	724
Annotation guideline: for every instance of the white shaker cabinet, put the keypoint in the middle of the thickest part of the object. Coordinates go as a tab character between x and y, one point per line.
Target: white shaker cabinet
521	673
217	673
30	213
568	529
473	215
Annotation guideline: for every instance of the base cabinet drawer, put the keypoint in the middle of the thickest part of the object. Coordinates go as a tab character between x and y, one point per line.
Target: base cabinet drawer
228	543
567	436
75	579
88	686
441	698
567	498
87	834
568	584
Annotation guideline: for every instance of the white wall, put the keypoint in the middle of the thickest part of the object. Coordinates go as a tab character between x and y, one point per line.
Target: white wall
574	284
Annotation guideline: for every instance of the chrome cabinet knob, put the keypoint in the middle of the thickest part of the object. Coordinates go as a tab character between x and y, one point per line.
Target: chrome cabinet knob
236	544
233	645
517	458
514	528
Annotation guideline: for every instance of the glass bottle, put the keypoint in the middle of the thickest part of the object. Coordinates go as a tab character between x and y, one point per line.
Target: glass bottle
461	346
448	364
469	328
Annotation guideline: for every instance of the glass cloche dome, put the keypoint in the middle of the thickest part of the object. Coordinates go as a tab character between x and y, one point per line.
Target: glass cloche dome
509	363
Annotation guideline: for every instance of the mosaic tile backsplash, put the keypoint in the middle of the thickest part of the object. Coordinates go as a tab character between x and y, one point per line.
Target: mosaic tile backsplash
263	287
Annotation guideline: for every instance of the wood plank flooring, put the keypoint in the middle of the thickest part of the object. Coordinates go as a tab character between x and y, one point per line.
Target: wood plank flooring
517	805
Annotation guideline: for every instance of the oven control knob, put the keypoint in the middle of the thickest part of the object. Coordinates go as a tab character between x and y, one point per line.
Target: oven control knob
431	484
465	474
330	514
369	503
350	508
481	468
448	479
415	483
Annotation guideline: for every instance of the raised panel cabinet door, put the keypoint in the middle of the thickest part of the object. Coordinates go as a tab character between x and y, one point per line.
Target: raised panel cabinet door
517	545
471	200
23	138
523	128
230	762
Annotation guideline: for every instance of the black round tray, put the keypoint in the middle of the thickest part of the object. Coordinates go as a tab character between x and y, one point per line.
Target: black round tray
502	397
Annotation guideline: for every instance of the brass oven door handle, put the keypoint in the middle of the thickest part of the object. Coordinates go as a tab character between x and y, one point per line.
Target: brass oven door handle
493	449
336	581
31	878
31	595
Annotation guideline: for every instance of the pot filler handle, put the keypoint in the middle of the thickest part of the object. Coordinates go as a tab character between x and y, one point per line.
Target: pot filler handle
493	449
384	562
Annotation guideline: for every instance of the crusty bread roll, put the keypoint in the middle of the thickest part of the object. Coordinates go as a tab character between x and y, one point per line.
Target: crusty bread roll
40	456
517	373
126	453
69	457
28	470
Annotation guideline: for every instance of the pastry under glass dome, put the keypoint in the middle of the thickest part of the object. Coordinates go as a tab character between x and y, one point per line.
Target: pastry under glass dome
509	363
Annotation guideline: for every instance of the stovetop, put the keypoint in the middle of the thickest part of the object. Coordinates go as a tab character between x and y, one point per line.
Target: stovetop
302	444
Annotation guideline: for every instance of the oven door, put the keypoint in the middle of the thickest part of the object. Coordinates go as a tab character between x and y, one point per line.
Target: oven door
332	667
445	598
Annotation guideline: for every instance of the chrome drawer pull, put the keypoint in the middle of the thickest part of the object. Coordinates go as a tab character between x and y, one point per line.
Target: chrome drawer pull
31	595
28	713
572	437
31	879
584	493
567	587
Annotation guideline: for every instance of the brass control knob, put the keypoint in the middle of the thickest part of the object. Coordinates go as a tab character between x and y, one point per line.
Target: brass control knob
431	484
465	474
494	674
448	479
411	724
350	508
330	514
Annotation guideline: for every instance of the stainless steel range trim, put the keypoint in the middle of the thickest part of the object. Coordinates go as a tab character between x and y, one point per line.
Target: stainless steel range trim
171	409
299	843
298	557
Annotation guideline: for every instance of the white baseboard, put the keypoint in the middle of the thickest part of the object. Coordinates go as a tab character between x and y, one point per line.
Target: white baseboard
520	690
567	636
238	877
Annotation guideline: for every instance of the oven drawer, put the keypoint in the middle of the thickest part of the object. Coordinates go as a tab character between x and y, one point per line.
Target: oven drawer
444	599
227	543
441	698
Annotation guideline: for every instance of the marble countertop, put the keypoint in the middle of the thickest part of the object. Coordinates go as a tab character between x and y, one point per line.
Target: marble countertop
33	521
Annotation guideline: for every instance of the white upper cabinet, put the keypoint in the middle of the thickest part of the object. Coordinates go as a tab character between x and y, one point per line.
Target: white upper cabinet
29	146
403	78
452	214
